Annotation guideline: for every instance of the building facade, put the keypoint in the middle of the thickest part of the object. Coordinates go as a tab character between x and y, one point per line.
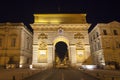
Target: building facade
15	45
52	29
105	43
19	48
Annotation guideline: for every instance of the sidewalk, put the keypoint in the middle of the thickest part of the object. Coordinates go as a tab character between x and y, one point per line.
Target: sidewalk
104	74
16	74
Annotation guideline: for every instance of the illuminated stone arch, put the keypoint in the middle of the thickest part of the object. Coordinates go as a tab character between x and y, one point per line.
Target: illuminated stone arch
61	38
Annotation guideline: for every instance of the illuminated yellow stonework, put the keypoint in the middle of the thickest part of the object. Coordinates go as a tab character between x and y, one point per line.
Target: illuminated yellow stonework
15	45
71	29
105	43
80	56
42	56
60	18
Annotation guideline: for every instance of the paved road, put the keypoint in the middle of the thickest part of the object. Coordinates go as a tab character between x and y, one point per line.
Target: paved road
61	74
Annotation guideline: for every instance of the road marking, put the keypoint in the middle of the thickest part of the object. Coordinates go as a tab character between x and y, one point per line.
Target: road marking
82	78
62	76
46	76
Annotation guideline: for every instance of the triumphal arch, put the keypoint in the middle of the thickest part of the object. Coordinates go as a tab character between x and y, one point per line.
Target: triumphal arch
66	33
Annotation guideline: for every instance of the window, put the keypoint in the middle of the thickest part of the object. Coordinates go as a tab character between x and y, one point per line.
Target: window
104	32
11	60
97	34
107	44
117	44
13	42
0	42
28	60
93	36
92	49
91	39
28	43
115	32
99	46
95	47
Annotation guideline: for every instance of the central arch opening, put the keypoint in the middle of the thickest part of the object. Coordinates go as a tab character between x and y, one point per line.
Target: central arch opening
61	53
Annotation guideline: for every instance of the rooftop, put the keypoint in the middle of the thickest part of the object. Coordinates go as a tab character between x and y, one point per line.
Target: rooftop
60	18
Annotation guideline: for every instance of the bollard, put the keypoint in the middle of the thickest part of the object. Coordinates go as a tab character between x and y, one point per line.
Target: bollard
112	78
13	78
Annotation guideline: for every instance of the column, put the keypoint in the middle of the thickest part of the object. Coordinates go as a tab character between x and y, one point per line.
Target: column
35	54
50	55
73	54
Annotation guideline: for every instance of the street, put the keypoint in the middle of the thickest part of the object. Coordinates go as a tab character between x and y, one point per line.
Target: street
61	74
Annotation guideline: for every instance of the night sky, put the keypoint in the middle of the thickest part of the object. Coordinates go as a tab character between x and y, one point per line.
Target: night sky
22	10
98	11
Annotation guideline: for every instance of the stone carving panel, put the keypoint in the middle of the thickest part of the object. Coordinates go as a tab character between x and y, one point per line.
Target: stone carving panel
42	36
42	45
78	36
79	45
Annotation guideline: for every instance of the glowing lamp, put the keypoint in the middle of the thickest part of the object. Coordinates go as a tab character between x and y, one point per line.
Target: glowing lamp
89	67
30	66
20	65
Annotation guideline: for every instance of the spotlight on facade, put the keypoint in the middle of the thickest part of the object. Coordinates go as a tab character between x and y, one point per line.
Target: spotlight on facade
20	65
42	52
80	52
89	67
103	64
30	66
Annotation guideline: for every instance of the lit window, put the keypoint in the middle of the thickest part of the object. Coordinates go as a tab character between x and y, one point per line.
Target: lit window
0	42
104	32
13	42
115	32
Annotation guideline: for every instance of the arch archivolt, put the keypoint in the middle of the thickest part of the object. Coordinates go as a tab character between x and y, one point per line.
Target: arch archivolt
61	38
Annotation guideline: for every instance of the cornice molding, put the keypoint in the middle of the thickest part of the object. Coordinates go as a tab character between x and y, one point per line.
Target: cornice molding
54	27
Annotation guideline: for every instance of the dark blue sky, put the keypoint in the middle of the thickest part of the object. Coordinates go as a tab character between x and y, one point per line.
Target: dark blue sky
23	10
